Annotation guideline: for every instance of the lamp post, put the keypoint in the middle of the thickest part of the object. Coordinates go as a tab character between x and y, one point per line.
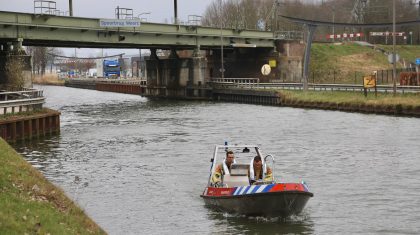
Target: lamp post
139	70
394	62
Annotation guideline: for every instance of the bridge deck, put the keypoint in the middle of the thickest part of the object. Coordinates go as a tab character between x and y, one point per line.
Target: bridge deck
64	31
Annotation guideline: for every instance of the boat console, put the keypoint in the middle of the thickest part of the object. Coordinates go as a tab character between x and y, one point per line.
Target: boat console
238	176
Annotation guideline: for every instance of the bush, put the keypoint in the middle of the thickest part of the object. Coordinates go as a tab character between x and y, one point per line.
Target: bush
15	80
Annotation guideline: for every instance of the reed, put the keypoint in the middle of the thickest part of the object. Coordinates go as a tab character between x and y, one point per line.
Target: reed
48	79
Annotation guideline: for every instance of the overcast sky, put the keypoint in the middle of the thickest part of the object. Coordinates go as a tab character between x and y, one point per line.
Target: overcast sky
160	10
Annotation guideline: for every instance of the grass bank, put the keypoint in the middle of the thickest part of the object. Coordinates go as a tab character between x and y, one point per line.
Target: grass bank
348	62
385	103
30	204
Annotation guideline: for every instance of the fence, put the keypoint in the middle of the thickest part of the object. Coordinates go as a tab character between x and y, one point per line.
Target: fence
21	101
384	77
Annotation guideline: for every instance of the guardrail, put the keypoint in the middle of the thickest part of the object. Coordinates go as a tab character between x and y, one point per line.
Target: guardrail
312	86
21	101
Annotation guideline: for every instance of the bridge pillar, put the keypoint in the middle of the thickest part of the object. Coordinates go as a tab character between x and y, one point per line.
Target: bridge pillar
291	60
152	70
175	76
15	67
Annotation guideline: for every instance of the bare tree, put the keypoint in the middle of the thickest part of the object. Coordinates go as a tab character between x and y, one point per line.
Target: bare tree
39	57
51	53
263	14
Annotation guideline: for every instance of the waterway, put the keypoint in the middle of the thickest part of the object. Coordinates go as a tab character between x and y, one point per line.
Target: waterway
138	166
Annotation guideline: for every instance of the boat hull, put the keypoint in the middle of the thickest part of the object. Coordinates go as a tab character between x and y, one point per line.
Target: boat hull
277	203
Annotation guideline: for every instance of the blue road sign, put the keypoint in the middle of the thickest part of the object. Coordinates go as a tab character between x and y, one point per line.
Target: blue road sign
418	61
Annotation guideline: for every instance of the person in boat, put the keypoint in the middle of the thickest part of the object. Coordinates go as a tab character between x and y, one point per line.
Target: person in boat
223	168
256	171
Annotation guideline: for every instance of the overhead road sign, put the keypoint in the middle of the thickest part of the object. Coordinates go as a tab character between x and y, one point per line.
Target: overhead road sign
121	23
418	61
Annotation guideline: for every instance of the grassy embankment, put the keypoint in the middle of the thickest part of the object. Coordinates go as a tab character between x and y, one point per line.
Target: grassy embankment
351	61
48	79
385	103
29	204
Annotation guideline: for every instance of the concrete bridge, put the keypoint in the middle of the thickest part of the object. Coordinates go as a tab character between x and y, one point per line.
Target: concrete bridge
245	51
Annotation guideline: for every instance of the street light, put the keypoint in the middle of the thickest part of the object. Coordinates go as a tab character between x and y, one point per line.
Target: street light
138	64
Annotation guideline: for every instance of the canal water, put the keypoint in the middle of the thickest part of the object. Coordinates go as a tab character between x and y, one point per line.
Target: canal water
138	166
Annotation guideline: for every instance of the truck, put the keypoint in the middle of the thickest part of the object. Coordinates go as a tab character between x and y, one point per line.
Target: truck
111	68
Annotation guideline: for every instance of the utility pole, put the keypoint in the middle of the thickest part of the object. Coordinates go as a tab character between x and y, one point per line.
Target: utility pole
176	11
394	62
221	39
71	7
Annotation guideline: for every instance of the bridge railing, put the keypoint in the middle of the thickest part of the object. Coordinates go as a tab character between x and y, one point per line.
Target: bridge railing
233	82
21	101
311	86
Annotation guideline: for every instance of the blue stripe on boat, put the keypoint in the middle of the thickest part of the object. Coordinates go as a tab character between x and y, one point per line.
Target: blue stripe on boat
251	189
244	188
255	189
268	188
237	190
261	188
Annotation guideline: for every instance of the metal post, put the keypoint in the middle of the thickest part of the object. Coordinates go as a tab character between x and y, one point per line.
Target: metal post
221	39
411	38
175	12
394	64
118	12
139	65
333	29
311	31
71	7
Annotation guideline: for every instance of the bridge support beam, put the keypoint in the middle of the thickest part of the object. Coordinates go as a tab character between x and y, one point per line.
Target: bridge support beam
15	66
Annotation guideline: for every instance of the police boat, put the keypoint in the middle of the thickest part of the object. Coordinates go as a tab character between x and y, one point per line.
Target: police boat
234	185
